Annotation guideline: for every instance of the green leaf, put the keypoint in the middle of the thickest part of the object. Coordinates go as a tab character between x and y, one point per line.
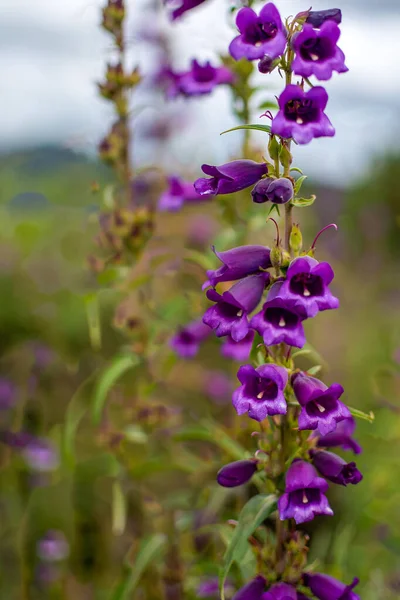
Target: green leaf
265	128
370	417
275	208
117	368
251	516
302	202
297	170
199	258
118	509
93	317
314	370
268	104
299	183
208	431
149	550
75	412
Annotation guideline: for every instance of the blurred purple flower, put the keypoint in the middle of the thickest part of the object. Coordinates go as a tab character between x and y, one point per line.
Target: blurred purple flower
325	587
53	546
40	455
201	79
218	386
316	18
182	6
7	393
209	588
341	437
187	341
177	194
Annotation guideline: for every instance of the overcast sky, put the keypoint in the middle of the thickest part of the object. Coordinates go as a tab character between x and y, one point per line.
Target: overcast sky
52	52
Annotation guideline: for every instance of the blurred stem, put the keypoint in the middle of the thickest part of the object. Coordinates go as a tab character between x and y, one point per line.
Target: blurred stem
286	171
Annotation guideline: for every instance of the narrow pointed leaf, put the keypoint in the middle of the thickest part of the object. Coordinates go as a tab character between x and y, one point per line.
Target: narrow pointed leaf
265	128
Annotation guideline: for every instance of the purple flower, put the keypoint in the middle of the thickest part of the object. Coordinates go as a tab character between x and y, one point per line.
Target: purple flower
230	177
317	52
7	394
278	191
252	590
209	588
184	6
202	79
262	391
239	262
218	386
40	455
325	587
334	468
177	193
229	315
301	114
281	591
307	282
238	350
320	405
316	18
187	341
236	473
341	437
304	496
53	546
280	320
259	35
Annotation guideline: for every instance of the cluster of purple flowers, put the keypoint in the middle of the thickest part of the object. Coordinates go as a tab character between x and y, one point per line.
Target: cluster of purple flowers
271	296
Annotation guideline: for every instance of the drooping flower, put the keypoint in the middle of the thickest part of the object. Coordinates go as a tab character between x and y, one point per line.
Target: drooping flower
280	320
262	391
301	114
260	35
230	177
238	350
325	587
7	394
341	437
229	315
334	468
281	591
239	262
187	341
321	408
184	6
307	282
317	52
265	65
252	590
177	194
316	18
304	496
236	473
278	191
202	79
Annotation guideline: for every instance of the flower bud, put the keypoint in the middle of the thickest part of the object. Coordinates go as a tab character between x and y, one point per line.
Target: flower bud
280	191
266	65
285	157
316	18
296	239
236	473
276	257
259	191
274	148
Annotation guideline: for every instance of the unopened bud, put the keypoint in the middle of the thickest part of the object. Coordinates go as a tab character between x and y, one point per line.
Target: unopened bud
274	149
276	257
296	239
285	157
316	18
